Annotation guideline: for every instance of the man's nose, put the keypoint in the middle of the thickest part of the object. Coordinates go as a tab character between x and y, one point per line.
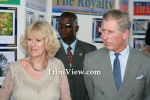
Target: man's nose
104	35
63	28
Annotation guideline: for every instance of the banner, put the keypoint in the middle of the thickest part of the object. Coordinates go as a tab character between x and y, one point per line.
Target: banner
123	5
12	2
88	7
141	8
39	5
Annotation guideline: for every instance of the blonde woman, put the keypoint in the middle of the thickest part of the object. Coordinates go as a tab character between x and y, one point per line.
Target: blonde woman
31	78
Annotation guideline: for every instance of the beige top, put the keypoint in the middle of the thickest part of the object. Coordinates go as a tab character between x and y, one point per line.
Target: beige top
51	86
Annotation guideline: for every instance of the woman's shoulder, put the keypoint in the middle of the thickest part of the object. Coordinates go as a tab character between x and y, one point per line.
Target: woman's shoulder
14	64
54	59
55	62
17	64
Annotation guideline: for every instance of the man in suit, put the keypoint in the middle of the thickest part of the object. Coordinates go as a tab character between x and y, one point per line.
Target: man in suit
125	72
67	28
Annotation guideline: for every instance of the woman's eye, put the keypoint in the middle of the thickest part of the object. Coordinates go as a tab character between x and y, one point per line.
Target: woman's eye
29	39
38	40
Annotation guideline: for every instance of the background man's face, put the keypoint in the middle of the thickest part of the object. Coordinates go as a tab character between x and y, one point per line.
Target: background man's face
67	33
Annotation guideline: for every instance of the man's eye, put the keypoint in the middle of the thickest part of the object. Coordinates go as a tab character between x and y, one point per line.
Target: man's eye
64	25
68	25
110	31
102	30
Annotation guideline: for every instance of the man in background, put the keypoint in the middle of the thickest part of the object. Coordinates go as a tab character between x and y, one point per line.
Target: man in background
72	54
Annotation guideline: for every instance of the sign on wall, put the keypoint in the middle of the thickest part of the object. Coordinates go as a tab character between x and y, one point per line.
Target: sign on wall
12	2
39	5
141	8
87	7
123	5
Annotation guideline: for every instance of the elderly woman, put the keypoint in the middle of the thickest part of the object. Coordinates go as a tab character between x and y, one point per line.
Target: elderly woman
33	77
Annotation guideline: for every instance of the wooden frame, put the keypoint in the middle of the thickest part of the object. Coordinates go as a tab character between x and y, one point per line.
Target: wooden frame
8	26
30	17
41	17
6	56
96	31
139	44
54	24
140	26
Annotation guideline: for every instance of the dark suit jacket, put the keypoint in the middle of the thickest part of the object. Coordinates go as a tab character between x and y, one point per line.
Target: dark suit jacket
136	82
76	82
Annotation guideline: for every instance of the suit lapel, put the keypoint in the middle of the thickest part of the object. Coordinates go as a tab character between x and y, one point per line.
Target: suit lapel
104	64
62	56
133	65
78	55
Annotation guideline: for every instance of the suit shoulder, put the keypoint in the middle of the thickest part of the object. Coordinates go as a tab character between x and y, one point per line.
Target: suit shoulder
87	44
98	52
142	56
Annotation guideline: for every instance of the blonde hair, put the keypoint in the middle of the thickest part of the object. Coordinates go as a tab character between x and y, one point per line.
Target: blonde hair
42	29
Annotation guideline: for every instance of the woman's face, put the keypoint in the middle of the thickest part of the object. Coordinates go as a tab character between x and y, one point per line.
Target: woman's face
36	46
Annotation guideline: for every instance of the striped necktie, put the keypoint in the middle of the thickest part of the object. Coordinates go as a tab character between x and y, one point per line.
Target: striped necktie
69	55
117	71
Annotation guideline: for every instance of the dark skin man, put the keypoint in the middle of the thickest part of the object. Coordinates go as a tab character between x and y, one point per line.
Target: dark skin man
68	28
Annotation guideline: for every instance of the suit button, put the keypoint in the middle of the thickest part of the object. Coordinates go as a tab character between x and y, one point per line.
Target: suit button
70	90
102	93
132	95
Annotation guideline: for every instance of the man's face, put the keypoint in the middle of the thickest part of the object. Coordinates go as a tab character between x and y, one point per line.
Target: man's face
67	29
113	39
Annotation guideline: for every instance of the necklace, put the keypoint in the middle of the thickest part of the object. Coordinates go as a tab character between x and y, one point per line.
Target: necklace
41	71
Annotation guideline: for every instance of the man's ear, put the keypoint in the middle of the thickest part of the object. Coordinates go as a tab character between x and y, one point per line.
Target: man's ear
126	34
76	28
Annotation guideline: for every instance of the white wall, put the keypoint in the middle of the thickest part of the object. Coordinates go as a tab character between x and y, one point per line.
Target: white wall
85	23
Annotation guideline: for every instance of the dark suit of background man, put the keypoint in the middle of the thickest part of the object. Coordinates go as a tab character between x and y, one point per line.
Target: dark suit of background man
126	77
67	28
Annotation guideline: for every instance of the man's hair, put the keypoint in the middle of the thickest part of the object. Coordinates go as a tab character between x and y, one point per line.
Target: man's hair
147	37
72	15
123	18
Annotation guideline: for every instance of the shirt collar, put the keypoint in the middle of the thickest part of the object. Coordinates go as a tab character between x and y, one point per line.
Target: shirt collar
66	45
124	53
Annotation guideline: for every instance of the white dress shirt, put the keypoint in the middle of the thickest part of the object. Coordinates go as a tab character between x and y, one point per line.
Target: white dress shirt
66	46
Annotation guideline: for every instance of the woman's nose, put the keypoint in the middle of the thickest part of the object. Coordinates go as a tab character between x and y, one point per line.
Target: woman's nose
33	43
